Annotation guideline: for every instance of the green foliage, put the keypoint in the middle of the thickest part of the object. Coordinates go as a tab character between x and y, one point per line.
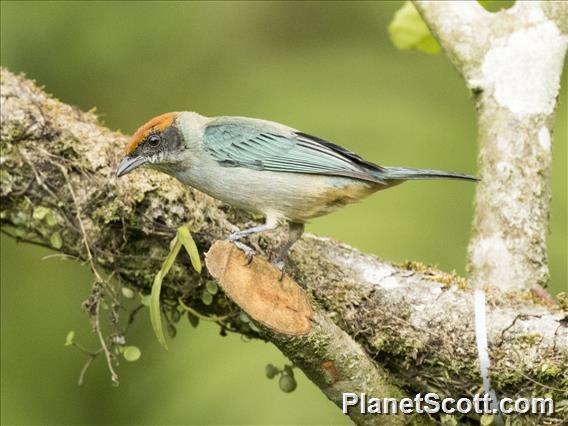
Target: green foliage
172	330
206	298
187	241
407	30
69	338
127	293
40	212
145	299
131	353
48	220
175	315
182	238
243	317
46	215
193	320
211	287
496	5
271	371
55	240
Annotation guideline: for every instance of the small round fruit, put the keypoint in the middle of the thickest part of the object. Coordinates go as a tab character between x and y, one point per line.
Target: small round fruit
287	384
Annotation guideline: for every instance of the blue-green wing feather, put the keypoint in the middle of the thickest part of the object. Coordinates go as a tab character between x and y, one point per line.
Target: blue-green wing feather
262	147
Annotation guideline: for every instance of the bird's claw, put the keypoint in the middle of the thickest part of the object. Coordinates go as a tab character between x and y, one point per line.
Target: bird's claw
249	252
281	265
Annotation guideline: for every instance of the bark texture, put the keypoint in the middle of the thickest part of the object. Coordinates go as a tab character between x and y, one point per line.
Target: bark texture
512	61
379	328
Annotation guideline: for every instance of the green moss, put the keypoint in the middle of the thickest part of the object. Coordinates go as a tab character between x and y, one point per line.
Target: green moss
434	274
415	266
563	300
531	339
549	371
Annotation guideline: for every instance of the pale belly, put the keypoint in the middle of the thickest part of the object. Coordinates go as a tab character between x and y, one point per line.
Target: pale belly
293	196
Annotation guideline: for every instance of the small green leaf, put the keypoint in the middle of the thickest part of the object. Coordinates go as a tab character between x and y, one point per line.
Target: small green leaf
168	263
186	239
131	353
172	330
175	315
55	240
496	5
155	314
211	287
271	371
486	420
127	293
243	317
40	212
145	299
51	219
193	320
253	327
182	238
206	298
69	338
407	30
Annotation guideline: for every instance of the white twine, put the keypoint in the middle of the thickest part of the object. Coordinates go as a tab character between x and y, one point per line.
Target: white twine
483	352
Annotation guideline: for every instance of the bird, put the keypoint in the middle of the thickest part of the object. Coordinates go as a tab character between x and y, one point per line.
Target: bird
263	167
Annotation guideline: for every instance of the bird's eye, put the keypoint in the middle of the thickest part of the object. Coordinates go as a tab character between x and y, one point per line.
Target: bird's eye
154	140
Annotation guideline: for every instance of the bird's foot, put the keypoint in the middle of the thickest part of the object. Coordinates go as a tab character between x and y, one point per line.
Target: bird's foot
249	252
281	265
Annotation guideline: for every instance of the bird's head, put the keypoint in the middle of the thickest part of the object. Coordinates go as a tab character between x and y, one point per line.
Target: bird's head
156	144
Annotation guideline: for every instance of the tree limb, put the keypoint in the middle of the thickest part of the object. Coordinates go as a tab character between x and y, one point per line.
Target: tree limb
512	61
379	328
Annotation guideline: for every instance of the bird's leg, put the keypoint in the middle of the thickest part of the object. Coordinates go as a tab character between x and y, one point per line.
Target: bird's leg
295	231
236	236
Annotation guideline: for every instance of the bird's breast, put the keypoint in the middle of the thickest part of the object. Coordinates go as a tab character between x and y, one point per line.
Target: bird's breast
292	196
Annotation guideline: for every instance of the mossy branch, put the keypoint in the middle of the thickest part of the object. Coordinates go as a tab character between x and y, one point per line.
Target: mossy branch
378	328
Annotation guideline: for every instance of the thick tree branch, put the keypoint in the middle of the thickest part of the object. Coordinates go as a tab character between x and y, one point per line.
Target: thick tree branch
378	328
512	61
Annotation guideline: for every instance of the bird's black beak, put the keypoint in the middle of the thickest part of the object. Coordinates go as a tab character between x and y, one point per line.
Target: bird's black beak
128	164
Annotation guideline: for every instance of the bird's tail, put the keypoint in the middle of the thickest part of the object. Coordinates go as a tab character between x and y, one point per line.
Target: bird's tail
403	173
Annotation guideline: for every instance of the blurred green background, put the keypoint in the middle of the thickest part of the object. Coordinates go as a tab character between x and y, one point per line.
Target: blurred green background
326	68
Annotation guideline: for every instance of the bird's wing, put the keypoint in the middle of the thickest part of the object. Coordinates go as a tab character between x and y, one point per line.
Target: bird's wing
260	146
